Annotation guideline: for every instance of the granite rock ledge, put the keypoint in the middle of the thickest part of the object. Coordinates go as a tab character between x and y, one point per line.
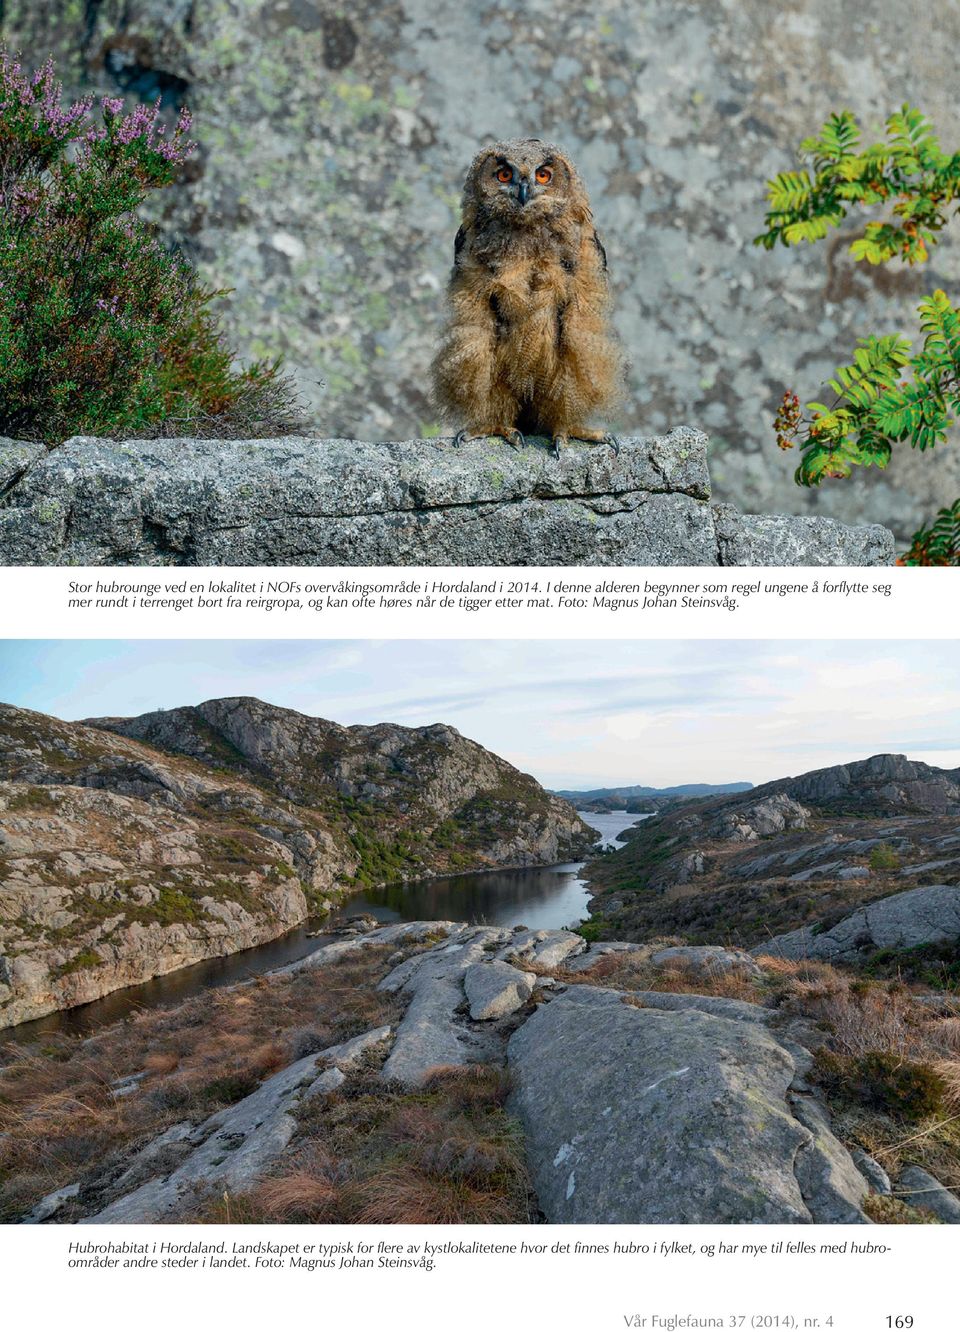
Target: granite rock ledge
298	501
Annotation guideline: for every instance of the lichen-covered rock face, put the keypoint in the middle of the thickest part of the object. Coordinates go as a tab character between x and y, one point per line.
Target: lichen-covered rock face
687	1118
132	847
416	502
333	145
907	920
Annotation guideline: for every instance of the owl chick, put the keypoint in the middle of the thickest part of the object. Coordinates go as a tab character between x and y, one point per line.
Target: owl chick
527	349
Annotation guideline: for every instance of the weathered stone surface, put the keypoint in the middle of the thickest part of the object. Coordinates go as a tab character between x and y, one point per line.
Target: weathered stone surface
832	1186
733	1010
16	456
432	1032
922	1190
905	920
872	1171
636	1116
418	502
49	1206
495	990
334	142
544	948
707	960
757	539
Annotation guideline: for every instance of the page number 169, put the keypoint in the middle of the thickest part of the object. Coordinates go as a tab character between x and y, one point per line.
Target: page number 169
900	1320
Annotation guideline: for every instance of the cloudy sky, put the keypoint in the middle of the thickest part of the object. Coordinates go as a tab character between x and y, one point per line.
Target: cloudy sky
575	714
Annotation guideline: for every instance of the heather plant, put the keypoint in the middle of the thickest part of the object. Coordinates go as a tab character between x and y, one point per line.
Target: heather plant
889	393
103	331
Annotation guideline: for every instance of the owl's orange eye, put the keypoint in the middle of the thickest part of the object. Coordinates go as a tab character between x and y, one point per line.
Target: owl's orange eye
544	175
505	175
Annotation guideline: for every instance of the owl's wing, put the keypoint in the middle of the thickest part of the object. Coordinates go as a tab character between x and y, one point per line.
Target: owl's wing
458	243
600	250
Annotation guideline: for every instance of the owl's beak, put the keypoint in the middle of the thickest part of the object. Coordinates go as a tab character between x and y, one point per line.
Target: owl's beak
523	192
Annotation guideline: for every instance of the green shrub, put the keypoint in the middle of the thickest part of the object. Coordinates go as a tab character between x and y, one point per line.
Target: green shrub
901	1088
102	330
34	798
884	857
82	961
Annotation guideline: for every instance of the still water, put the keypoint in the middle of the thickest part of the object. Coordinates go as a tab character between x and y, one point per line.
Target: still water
548	897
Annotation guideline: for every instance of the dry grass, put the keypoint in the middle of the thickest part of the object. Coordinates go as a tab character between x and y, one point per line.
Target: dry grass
61	1114
861	1019
633	971
445	1154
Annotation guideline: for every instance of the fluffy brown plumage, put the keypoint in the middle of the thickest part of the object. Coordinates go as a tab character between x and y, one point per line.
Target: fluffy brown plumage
527	348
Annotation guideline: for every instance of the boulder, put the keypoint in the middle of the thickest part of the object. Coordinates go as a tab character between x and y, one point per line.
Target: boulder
307	501
905	920
634	1116
707	960
921	1190
495	990
872	1171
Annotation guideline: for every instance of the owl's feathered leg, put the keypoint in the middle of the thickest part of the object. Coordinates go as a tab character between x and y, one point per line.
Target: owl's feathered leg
511	434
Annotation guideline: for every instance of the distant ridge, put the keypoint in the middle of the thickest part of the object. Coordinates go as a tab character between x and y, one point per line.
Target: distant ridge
635	792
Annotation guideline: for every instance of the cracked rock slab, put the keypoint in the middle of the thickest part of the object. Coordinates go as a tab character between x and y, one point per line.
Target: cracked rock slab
432	1032
296	501
780	540
638	1116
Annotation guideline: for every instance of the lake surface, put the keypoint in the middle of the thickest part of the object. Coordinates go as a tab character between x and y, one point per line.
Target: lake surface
546	897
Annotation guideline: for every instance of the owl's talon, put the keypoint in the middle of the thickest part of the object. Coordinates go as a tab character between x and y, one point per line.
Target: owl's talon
515	437
558	442
613	443
460	438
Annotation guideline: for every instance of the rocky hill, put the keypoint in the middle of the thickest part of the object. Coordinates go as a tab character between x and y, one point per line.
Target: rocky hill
131	847
645	799
802	851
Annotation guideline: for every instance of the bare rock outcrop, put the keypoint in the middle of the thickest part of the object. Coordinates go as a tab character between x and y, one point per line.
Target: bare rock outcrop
334	502
907	920
683	1118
